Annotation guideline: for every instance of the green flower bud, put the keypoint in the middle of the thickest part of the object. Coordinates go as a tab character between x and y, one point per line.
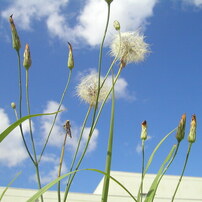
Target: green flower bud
15	37
192	132
117	25
181	128
144	131
109	1
13	105
27	57
70	62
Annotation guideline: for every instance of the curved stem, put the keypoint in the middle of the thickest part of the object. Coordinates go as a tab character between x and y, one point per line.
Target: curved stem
54	120
60	164
31	133
182	174
20	105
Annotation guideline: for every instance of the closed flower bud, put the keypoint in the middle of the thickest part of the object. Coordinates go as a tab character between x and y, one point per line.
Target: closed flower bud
109	1
192	132
117	25
15	37
181	128
13	105
70	62
144	130
27	57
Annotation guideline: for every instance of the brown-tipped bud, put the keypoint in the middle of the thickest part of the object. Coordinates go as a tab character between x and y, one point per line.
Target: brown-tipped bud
144	130
15	37
109	1
70	62
13	105
117	25
192	132
181	128
27	57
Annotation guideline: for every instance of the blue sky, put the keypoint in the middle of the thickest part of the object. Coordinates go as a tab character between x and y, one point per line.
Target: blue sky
159	90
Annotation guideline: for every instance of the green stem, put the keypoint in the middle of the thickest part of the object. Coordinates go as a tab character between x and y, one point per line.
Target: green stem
60	164
20	84
142	176
96	105
105	189
182	174
79	141
54	120
20	104
31	133
90	135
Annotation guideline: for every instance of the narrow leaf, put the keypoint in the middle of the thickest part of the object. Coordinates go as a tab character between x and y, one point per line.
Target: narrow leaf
18	122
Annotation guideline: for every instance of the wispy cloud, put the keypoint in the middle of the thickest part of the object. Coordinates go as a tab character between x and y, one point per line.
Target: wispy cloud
89	25
12	149
197	3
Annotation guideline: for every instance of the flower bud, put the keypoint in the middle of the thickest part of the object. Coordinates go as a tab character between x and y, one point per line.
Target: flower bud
27	57
117	25
13	105
109	1
144	130
181	128
192	132
15	37
70	62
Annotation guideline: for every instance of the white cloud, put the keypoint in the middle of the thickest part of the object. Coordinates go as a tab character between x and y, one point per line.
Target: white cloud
90	23
12	150
57	135
197	3
121	89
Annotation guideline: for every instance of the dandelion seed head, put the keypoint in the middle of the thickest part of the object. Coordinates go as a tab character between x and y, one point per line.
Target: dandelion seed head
133	47
87	89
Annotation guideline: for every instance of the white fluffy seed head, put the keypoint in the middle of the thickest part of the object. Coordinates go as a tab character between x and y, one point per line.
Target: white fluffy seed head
87	90
132	49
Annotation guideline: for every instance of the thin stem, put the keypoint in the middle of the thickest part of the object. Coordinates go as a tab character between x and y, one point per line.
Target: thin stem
20	84
182	174
105	189
142	176
60	164
96	105
54	120
23	138
20	104
90	134
31	132
79	141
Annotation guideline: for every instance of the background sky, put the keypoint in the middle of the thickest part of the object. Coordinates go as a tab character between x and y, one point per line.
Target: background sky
159	90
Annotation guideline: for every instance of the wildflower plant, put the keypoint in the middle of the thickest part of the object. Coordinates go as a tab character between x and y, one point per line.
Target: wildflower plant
126	48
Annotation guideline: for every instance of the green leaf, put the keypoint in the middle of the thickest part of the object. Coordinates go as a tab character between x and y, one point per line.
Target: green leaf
10	183
154	186
48	186
18	122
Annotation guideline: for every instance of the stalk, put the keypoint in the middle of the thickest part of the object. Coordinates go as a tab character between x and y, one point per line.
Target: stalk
182	174
54	120
31	133
142	175
60	164
105	189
